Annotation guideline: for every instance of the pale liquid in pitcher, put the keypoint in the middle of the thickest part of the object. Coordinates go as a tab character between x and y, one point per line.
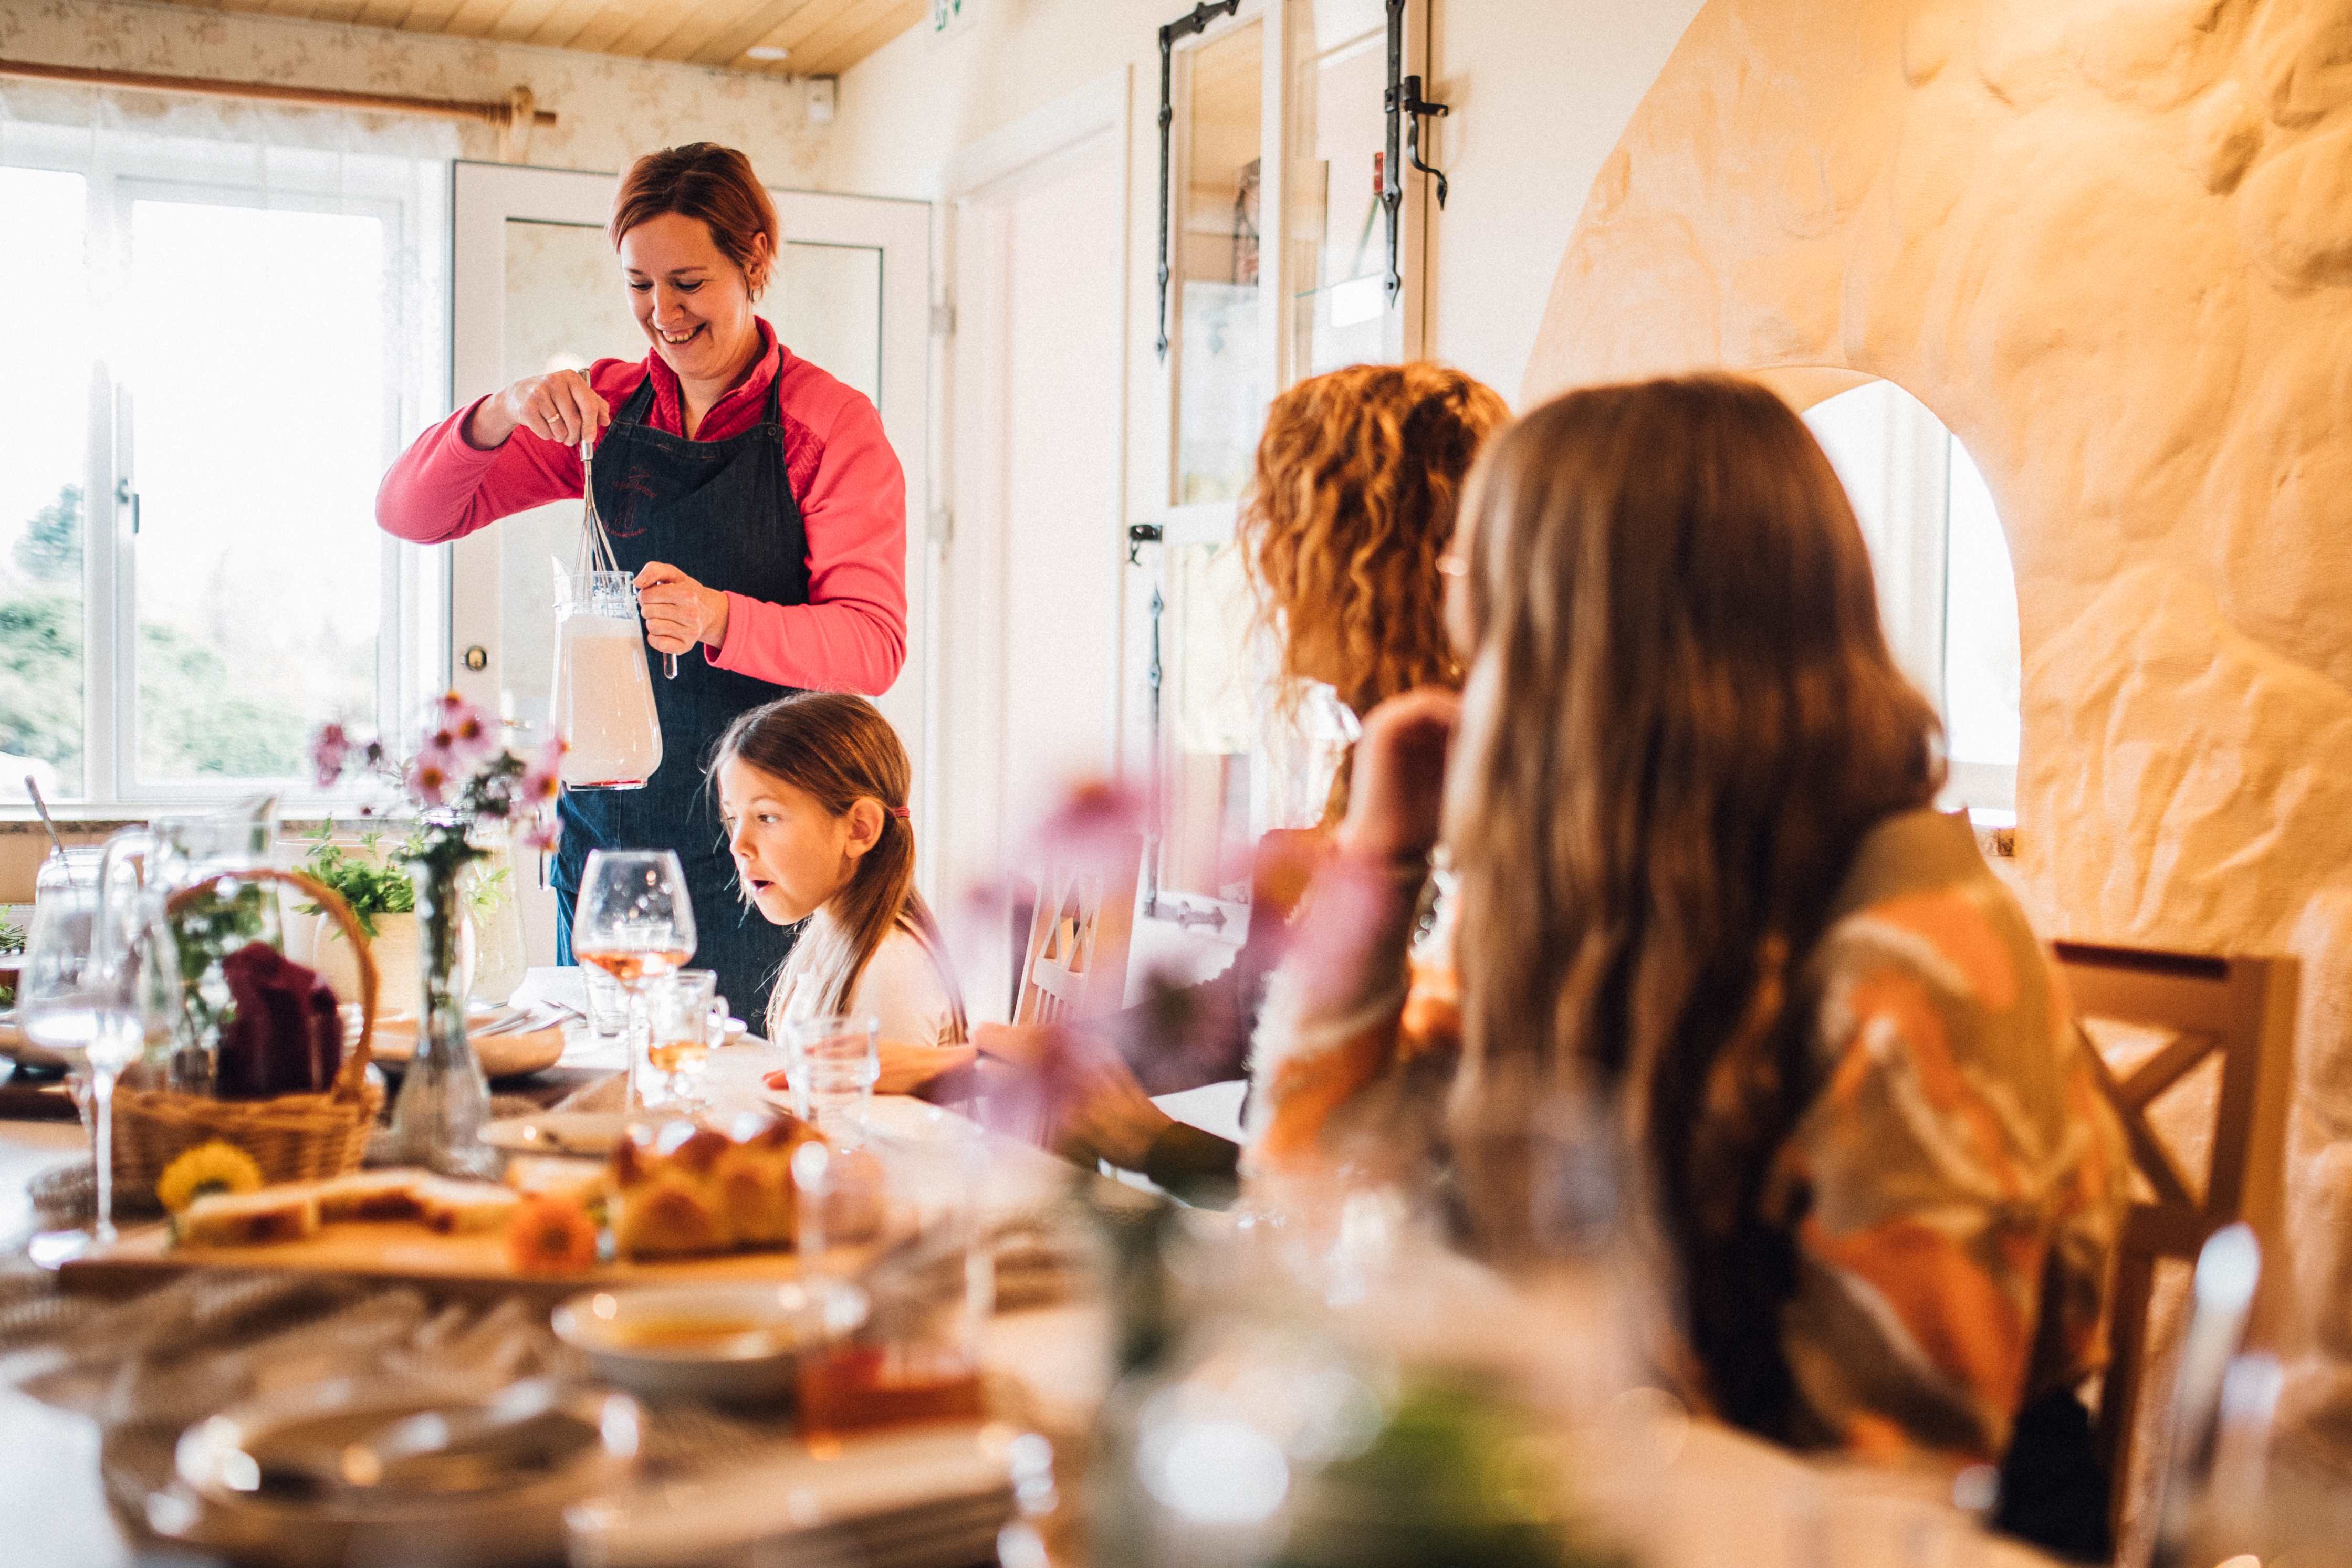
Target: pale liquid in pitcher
605	703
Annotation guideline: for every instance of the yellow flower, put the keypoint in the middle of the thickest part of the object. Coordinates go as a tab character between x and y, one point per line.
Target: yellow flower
214	1167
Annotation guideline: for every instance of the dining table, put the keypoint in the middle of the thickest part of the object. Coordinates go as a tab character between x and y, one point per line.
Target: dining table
1724	1500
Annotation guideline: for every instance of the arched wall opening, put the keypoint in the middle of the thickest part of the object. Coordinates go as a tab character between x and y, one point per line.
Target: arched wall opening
1947	589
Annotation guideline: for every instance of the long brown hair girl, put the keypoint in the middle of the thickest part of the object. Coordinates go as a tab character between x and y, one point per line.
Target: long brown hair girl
839	754
1683	719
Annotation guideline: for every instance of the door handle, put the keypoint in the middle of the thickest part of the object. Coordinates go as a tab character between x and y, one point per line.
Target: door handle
125	496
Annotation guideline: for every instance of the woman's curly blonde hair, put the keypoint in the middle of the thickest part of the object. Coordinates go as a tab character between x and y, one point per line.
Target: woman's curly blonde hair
1359	474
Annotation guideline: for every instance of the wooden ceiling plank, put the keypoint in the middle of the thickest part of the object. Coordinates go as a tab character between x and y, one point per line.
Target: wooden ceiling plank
688	38
656	22
391	14
810	20
565	23
520	20
763	25
609	23
474	18
430	16
885	28
821	53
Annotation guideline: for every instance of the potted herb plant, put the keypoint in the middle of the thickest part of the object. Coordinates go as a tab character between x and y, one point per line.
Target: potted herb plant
379	888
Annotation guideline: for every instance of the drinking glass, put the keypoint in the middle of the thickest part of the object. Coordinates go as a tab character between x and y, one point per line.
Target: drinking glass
634	920
608	1006
686	1016
99	984
917	1357
832	1062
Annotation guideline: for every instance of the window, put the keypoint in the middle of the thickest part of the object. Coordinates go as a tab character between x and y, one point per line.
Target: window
232	342
1945	585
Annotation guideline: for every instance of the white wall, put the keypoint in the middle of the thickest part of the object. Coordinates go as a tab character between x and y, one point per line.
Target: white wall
1540	91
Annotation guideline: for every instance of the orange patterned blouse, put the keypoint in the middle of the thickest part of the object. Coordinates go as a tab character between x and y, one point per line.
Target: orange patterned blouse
1962	1179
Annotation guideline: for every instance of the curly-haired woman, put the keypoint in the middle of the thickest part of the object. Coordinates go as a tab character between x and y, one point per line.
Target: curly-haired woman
1344	534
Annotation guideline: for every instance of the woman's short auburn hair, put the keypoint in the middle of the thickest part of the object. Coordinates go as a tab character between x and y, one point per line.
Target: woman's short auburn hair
703	180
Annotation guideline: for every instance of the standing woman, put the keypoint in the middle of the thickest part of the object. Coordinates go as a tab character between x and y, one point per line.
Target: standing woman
754	496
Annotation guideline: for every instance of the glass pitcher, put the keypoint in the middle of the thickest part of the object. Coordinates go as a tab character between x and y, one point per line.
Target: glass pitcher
168	857
603	701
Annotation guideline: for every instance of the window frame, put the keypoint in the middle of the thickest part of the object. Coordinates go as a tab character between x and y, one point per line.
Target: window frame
118	170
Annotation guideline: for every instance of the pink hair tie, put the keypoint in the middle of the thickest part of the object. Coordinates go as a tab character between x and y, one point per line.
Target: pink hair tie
900	812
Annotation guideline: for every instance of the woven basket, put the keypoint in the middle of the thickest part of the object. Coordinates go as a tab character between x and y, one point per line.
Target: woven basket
294	1137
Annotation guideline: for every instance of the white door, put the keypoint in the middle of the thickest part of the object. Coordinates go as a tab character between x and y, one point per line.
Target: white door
1030	702
536	286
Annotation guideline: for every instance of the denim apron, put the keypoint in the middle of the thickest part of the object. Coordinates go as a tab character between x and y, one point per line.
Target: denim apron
723	513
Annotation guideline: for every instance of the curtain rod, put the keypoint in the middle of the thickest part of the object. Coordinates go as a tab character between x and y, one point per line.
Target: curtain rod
504	114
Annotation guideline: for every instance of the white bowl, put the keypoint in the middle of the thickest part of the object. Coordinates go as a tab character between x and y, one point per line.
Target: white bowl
709	1340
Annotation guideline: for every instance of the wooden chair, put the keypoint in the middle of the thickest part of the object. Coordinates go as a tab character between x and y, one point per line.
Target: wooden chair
1082	924
2241	1010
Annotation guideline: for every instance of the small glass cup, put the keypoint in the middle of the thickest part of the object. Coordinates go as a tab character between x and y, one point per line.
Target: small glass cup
832	1062
686	1016
608	1004
917	1358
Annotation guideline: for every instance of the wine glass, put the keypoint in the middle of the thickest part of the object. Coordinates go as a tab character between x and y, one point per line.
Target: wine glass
634	920
99	984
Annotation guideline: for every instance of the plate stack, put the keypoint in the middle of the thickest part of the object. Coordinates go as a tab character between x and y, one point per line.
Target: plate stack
931	1499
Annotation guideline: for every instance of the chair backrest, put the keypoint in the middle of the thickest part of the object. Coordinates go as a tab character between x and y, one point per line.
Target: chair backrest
1075	963
2241	1010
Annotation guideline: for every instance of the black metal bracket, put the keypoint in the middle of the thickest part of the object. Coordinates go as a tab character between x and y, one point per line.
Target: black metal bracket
1139	534
1192	22
1406	108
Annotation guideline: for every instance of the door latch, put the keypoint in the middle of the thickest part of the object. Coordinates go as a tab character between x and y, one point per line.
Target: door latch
1138	535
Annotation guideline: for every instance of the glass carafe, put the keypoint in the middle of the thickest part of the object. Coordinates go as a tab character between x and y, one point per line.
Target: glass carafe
172	855
603	700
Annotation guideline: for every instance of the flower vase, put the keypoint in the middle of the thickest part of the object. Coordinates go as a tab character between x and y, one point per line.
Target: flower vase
444	1099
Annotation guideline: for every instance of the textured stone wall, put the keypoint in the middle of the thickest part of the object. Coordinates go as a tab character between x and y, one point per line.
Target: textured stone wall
2109	242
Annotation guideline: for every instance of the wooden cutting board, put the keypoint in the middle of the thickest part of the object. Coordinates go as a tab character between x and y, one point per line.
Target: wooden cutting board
408	1253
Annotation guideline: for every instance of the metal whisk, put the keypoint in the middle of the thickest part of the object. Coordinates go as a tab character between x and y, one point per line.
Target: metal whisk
596	546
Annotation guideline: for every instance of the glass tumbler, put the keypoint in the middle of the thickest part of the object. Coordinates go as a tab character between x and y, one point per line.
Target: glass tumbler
686	1016
832	1062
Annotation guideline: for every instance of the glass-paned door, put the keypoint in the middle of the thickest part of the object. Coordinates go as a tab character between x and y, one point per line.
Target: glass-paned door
538	288
1275	277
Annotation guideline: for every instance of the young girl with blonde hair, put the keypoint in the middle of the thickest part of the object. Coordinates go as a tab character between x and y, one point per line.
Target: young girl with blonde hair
813	791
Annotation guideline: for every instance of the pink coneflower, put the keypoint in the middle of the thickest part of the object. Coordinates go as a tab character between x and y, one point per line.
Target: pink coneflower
542	831
463	730
428	778
329	748
542	780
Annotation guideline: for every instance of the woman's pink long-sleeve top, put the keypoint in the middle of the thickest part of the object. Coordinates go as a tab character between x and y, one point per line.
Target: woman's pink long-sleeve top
852	634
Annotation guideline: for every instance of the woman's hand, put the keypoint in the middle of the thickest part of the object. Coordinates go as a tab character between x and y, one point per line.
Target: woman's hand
558	406
679	612
906	1068
1089	1104
1397	790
